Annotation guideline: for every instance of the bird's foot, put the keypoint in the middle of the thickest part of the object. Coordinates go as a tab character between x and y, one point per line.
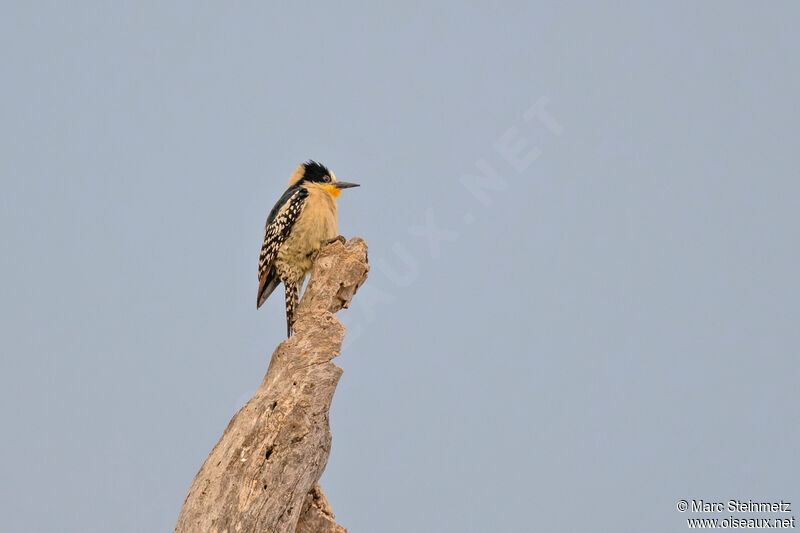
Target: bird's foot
340	238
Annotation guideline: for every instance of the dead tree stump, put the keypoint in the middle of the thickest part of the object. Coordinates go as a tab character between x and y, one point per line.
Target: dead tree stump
262	476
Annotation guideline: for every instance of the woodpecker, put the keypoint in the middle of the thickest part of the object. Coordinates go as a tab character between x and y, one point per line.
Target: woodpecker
303	220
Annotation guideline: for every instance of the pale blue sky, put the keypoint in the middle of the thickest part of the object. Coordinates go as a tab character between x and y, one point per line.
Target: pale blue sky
608	329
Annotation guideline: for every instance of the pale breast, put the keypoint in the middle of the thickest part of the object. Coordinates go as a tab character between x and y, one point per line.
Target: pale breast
315	226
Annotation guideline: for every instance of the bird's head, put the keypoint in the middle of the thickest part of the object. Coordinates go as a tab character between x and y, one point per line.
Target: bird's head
313	174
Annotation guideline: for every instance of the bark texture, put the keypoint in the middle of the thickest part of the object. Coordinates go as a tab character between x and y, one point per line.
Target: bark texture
262	476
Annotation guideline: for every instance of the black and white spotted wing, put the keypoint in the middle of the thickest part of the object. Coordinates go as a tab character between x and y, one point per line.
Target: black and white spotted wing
279	225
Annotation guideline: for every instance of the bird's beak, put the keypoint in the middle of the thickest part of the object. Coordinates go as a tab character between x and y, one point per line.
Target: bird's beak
344	185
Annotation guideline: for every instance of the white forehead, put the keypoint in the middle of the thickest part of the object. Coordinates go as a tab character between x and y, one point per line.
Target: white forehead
333	176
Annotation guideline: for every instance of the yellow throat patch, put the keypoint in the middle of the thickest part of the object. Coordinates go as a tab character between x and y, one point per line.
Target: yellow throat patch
333	190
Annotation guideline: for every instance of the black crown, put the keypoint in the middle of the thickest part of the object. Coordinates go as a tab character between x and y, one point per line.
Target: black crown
314	171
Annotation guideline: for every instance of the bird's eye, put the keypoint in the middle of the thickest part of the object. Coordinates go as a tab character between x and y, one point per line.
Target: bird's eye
326	178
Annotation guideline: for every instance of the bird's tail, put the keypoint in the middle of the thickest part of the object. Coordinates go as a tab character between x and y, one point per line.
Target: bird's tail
291	304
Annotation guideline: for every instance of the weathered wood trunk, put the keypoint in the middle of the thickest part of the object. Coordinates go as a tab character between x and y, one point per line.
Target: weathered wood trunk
262	476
